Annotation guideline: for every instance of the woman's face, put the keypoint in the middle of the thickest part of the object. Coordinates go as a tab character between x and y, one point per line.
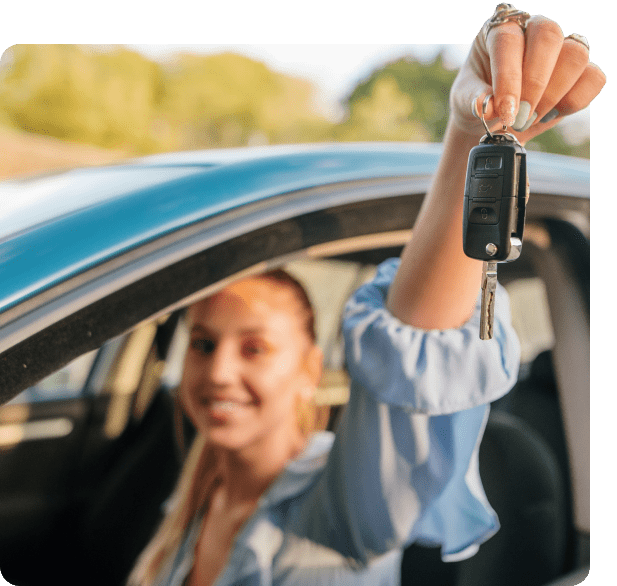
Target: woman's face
249	361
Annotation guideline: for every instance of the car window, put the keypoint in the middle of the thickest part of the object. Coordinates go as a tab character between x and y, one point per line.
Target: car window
531	316
329	282
66	383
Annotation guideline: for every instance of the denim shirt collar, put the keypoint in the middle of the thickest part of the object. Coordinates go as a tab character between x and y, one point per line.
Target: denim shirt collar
300	472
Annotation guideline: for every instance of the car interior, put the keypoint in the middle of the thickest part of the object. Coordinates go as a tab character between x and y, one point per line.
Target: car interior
90	454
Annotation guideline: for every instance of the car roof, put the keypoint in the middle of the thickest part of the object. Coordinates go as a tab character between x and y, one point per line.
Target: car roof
58	225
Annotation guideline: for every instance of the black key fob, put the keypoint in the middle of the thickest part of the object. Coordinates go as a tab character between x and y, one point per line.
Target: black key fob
496	193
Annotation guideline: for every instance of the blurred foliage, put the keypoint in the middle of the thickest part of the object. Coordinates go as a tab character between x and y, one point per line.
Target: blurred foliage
230	100
383	112
408	100
418	94
115	98
119	99
108	99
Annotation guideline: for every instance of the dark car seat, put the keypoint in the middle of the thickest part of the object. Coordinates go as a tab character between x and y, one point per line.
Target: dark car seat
524	485
535	400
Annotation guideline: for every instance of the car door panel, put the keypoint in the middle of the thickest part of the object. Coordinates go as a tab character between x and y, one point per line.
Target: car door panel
39	442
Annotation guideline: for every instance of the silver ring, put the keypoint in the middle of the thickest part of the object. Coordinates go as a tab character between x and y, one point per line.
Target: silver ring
579	39
505	13
474	109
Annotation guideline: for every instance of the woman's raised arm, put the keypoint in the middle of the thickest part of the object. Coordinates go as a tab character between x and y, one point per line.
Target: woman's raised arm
536	78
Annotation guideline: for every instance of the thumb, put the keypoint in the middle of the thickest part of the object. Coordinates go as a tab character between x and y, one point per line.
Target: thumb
466	103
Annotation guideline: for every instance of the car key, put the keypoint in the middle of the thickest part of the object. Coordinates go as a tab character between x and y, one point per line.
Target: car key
496	193
487	305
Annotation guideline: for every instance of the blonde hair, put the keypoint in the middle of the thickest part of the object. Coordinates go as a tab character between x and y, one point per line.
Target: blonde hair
199	476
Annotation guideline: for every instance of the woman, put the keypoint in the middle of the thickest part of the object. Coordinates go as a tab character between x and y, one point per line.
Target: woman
262	502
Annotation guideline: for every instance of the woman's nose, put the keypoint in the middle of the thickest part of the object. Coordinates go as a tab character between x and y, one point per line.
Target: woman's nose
223	367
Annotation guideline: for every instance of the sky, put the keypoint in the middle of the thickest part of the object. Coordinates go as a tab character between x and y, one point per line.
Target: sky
335	69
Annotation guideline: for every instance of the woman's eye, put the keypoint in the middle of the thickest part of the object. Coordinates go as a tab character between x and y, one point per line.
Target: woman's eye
251	349
203	346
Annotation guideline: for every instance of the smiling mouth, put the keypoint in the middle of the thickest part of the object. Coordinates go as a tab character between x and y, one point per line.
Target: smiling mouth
223	405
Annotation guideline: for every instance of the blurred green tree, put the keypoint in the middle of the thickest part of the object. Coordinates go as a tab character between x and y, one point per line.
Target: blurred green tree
408	100
76	93
384	112
423	88
116	98
231	100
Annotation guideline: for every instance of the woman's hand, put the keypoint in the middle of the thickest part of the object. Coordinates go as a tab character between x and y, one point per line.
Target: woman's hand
436	286
536	78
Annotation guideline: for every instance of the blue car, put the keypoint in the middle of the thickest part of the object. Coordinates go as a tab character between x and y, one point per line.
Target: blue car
97	265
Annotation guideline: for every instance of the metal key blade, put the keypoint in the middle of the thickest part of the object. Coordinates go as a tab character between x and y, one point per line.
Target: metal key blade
487	314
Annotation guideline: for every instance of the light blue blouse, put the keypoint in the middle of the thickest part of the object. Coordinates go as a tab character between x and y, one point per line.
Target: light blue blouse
403	465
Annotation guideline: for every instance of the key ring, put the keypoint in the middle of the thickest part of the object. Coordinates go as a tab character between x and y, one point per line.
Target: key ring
505	136
484	105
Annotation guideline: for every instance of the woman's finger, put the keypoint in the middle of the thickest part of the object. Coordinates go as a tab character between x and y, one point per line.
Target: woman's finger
506	46
586	88
573	59
580	95
543	43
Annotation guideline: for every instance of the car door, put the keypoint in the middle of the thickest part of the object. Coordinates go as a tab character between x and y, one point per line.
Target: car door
66	443
41	434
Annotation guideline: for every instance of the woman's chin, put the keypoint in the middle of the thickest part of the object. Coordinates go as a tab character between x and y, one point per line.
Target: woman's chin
225	426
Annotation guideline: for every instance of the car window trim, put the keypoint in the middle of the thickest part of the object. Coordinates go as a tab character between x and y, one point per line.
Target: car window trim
24	320
57	313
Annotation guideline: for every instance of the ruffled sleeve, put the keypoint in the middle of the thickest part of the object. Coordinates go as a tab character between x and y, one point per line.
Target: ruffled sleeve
404	464
428	371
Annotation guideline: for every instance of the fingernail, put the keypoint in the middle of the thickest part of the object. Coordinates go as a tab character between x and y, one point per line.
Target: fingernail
521	118
506	110
550	116
530	121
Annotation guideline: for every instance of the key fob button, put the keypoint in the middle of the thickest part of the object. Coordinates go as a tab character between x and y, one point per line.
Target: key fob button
488	163
483	213
486	186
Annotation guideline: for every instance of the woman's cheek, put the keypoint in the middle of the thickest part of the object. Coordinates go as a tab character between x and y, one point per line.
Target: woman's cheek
186	402
277	379
188	396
